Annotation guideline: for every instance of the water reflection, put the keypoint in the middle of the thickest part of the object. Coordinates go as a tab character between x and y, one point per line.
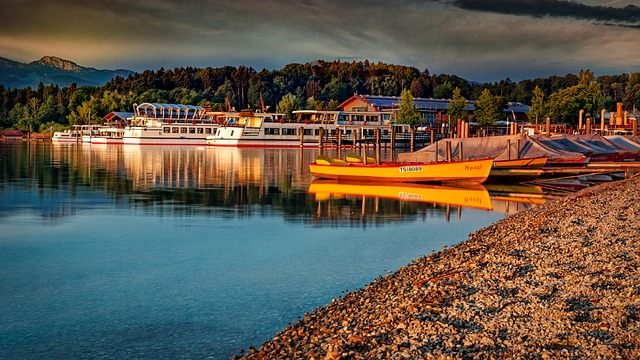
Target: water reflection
230	182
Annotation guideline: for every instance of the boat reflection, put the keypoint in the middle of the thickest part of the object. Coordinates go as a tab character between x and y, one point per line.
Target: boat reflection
473	196
64	179
378	198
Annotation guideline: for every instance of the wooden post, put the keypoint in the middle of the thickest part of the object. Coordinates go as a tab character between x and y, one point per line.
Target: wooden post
301	137
355	138
461	153
508	149
466	129
377	139
518	149
548	126
612	119
449	151
579	120
602	113
432	136
393	138
588	125
635	127
413	139
437	151
339	137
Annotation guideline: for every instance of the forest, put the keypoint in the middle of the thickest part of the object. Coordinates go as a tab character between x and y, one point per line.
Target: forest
317	85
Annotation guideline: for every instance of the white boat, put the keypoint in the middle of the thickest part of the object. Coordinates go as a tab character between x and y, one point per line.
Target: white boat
67	136
170	124
108	136
79	134
251	129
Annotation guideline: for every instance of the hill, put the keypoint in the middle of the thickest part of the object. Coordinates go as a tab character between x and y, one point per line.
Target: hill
53	70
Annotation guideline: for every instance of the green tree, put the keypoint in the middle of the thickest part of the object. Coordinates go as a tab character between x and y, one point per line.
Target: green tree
287	105
443	90
407	110
488	108
225	92
537	108
457	109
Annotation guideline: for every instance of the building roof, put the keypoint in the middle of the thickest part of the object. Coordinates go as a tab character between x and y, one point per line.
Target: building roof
117	115
12	133
423	104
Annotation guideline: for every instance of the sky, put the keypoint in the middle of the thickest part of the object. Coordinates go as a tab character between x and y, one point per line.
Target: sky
479	40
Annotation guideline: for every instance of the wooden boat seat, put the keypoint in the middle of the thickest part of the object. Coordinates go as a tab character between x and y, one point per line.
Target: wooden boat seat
325	160
355	158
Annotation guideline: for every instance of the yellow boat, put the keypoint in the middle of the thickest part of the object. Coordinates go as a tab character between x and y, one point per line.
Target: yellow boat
526	163
474	196
472	171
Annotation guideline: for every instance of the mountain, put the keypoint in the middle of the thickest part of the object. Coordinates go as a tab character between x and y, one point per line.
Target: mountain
53	70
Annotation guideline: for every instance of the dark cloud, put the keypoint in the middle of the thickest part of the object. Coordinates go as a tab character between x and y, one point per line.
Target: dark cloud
629	14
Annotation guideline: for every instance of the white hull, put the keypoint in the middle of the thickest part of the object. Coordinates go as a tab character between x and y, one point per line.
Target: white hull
156	136
106	140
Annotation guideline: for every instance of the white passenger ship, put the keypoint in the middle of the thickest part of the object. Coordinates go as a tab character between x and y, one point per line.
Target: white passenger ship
170	124
250	129
79	134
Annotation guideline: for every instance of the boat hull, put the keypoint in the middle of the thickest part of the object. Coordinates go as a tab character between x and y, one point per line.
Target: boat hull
159	136
475	171
527	163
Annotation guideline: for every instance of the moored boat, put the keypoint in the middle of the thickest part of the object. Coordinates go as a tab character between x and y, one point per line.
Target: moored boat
307	129
169	124
528	163
475	171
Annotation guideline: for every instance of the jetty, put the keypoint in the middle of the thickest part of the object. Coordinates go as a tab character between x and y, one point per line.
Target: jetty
556	281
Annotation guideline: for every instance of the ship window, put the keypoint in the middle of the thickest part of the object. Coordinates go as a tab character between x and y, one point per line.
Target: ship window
271	131
192	130
207	131
166	130
200	130
175	130
183	130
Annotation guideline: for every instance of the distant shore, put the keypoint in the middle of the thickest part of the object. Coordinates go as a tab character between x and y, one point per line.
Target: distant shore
557	281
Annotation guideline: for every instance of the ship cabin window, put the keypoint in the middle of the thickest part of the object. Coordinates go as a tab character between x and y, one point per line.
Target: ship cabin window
207	131
183	130
308	132
200	131
271	131
192	130
289	132
166	130
175	130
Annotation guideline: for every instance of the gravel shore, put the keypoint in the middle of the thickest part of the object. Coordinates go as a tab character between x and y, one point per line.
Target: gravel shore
557	281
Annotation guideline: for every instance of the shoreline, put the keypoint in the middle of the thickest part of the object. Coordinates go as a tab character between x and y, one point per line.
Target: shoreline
558	280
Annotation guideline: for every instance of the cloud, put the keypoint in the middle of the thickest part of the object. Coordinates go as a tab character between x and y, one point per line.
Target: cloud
628	15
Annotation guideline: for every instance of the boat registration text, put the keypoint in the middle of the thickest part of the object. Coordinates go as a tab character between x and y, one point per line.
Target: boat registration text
405	169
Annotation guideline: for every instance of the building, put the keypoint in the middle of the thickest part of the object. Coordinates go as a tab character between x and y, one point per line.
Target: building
12	135
433	111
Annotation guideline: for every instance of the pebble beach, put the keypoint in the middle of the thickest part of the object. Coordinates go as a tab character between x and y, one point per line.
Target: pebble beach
560	280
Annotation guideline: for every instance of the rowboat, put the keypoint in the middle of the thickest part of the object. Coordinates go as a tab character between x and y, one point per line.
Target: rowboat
472	171
473	196
528	163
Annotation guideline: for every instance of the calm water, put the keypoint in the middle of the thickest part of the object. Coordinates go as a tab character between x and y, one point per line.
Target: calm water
163	253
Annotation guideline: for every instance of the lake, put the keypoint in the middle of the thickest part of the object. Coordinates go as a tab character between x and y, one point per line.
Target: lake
197	252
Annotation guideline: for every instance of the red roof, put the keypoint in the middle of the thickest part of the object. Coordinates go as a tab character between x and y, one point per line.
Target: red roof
11	133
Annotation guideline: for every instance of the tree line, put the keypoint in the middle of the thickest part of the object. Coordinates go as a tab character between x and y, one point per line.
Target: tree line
317	85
